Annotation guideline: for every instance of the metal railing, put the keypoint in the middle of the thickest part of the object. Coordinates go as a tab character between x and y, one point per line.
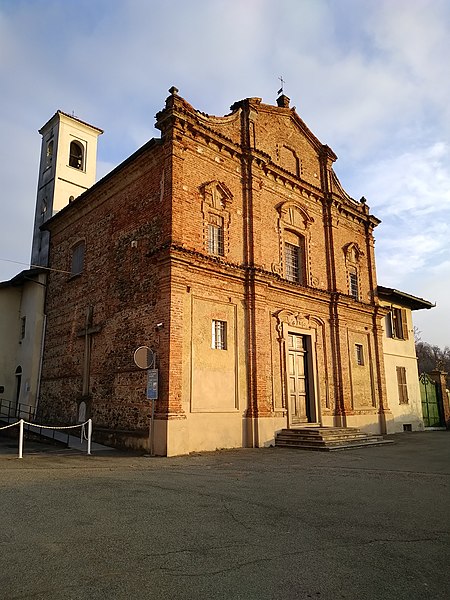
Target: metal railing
11	412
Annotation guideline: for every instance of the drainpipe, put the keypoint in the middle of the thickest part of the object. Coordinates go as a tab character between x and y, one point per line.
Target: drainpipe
41	360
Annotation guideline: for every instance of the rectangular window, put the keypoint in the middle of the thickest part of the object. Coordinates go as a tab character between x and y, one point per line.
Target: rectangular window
397	325
219	335
77	259
359	354
23	325
292	262
402	385
353	280
215	235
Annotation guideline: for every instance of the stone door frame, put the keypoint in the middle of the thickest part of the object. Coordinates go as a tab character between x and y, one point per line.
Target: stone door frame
289	322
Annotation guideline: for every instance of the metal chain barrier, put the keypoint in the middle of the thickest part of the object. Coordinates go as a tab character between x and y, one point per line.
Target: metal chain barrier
22	422
11	425
56	427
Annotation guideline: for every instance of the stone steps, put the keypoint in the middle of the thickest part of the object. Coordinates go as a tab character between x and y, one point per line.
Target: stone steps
327	438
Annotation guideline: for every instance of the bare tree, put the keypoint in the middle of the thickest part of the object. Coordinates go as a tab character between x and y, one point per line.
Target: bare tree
430	358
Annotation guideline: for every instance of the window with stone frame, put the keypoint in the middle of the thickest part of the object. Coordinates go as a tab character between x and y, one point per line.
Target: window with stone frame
293	226
294	257
219	335
291	262
352	256
353	282
359	354
402	385
216	217
77	262
215	235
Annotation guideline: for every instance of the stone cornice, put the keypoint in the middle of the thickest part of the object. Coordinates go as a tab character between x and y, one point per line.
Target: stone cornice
198	259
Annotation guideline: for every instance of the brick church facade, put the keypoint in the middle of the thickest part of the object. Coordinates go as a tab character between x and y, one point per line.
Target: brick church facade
229	247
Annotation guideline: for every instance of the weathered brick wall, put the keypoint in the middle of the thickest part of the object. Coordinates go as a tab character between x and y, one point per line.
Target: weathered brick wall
122	220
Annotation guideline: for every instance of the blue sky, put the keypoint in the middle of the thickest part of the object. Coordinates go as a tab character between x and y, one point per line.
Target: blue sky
369	77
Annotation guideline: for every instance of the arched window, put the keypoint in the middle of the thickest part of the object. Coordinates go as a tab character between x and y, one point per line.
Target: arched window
289	160
76	155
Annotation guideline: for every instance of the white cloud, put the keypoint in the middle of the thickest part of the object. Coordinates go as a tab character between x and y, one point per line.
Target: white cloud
416	180
432	285
411	193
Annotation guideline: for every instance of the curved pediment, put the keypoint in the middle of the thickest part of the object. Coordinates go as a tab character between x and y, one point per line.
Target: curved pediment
294	215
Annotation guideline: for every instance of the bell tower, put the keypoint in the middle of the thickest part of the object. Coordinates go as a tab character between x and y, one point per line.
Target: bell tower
67	168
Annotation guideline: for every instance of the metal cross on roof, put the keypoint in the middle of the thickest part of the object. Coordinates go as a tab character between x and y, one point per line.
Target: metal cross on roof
280	91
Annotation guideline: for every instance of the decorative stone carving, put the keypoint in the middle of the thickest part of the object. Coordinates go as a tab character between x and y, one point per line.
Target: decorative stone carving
296	319
277	269
216	194
352	252
215	209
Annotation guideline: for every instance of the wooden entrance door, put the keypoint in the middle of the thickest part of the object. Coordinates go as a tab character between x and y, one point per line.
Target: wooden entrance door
298	379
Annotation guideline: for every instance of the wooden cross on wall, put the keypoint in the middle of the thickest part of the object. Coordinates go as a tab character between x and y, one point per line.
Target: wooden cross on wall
88	331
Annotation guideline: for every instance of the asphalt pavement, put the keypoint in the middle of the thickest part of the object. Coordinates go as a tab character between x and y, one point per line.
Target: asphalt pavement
271	523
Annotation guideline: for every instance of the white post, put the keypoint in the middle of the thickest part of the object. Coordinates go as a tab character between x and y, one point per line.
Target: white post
21	438
152	430
89	436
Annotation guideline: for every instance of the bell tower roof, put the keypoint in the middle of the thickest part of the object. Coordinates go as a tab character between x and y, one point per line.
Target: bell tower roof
73	117
67	168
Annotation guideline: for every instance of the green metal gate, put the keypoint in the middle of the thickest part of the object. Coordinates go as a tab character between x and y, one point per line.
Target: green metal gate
431	402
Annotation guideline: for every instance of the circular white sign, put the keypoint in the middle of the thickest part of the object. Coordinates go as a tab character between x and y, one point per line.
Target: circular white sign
144	357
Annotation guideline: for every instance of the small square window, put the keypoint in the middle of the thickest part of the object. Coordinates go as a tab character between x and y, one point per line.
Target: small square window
219	335
359	354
